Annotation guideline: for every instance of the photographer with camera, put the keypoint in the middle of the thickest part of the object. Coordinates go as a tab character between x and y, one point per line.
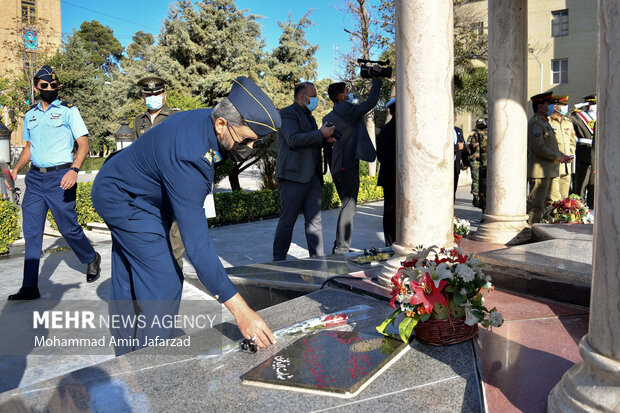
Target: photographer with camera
299	173
353	146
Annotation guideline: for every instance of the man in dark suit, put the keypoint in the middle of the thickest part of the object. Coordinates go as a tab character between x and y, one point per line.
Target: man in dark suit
353	146
298	171
459	145
386	154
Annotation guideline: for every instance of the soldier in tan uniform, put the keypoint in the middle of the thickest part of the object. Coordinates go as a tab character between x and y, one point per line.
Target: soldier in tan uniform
154	95
567	142
543	156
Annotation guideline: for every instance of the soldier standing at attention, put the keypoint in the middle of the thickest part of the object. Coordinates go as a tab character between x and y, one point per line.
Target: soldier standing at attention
477	153
584	121
565	135
51	128
154	95
543	156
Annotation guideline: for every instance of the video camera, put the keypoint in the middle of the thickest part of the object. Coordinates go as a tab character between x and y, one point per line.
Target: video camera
367	70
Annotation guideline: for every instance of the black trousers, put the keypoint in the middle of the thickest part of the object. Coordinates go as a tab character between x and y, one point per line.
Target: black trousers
389	214
294	198
347	184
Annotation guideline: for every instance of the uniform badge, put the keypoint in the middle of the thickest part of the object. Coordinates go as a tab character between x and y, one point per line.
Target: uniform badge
55	116
536	131
213	156
151	85
592	123
209	157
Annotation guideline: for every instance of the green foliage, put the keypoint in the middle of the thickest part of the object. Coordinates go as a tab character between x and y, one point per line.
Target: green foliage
237	206
141	43
92	164
83	206
470	90
9	225
104	50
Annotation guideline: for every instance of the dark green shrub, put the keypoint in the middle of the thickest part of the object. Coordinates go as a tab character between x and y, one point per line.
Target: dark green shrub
9	225
83	206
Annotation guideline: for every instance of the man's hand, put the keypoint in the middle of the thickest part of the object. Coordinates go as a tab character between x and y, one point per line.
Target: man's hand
250	324
327	131
331	140
69	179
461	146
376	71
566	159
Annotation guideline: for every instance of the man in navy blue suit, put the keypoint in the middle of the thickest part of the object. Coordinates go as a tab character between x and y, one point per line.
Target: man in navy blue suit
164	176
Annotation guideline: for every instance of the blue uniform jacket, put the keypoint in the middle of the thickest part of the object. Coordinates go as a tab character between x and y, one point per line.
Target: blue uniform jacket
167	174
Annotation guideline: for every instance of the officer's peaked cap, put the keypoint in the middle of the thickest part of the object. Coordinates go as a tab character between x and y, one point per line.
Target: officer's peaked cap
152	84
541	97
47	74
561	99
253	104
590	98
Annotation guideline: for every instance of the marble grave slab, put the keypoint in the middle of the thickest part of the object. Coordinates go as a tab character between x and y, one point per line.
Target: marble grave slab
334	363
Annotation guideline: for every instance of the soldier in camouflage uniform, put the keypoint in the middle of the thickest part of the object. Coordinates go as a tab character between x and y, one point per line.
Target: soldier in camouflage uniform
477	153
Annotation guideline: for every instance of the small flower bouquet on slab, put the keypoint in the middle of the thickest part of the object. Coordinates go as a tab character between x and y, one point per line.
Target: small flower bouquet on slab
440	295
461	226
570	210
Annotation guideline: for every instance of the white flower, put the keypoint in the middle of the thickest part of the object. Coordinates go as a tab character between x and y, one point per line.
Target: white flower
474	262
496	319
439	272
463	291
466	273
470	318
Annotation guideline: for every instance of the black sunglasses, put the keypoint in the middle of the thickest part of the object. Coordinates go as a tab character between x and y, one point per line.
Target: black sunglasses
44	85
244	140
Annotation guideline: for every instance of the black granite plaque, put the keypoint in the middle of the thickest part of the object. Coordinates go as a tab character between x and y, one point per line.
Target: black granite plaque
333	363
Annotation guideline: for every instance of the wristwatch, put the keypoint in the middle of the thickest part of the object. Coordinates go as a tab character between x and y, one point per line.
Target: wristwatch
76	170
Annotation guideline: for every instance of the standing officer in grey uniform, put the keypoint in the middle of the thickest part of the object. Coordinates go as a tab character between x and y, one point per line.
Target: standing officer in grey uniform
355	145
298	171
154	95
51	128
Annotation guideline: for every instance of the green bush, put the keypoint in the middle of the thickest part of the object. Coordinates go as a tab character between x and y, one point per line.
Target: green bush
9	225
84	206
238	206
92	164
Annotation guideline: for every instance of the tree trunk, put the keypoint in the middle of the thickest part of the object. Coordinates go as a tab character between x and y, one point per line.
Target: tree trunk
233	178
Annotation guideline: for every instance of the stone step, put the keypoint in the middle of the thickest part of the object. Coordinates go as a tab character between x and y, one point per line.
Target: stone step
559	269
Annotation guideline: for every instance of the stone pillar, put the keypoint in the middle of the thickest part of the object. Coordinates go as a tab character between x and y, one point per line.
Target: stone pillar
505	216
424	127
594	384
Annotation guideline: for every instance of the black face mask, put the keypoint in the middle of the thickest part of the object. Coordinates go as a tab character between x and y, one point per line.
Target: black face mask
240	152
48	96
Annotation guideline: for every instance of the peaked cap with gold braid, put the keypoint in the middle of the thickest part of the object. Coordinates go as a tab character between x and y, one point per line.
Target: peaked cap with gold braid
256	108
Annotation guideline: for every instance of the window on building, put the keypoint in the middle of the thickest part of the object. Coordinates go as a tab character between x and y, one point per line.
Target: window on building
559	23
559	70
29	14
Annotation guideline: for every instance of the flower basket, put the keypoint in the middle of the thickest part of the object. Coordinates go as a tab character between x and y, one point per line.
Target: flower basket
444	332
572	210
440	295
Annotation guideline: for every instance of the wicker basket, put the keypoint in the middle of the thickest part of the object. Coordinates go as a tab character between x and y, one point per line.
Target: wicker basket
445	332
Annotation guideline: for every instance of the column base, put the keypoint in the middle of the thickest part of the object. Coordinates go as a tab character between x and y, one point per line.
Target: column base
393	264
592	385
504	229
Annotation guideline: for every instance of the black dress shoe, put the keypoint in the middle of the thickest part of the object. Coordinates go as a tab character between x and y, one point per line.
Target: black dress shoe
94	269
26	293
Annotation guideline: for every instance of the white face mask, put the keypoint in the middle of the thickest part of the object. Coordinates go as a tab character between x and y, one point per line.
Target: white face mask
154	102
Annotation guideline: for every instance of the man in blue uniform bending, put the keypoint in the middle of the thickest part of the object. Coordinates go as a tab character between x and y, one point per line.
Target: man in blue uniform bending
166	175
50	129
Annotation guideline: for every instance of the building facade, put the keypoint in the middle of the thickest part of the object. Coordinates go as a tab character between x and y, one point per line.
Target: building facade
29	31
561	36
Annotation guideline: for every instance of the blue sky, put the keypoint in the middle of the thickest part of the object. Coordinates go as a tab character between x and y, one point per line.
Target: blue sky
125	17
